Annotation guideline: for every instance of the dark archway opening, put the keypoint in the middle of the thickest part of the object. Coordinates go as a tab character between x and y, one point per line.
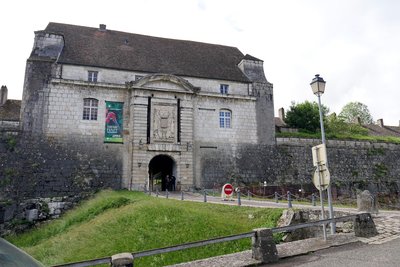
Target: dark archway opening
159	167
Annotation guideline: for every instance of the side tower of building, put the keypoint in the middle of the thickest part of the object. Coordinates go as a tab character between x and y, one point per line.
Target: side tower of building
40	68
263	91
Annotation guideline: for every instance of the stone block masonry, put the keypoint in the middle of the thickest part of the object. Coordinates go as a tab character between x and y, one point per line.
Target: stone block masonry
353	165
39	168
35	168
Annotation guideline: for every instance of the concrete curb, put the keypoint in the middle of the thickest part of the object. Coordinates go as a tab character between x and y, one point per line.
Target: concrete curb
285	250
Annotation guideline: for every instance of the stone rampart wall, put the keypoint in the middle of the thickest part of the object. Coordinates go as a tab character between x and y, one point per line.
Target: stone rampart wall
35	168
352	165
52	172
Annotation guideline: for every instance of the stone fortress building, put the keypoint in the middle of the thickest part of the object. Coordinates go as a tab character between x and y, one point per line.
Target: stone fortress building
108	109
140	107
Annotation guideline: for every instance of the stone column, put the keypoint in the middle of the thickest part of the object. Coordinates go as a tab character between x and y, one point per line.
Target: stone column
122	260
364	226
3	95
263	246
366	202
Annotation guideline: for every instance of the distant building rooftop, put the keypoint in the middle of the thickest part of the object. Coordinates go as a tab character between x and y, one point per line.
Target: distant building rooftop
10	110
378	130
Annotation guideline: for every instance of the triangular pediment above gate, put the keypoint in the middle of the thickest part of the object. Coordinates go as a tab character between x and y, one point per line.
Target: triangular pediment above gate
166	81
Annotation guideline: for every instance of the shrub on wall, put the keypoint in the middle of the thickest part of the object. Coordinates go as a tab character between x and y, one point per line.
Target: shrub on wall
305	116
337	126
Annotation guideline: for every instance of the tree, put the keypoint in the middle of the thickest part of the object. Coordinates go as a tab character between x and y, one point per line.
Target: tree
352	110
305	116
336	126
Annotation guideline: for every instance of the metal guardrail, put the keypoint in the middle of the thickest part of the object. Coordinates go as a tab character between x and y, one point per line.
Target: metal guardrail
310	224
162	250
107	260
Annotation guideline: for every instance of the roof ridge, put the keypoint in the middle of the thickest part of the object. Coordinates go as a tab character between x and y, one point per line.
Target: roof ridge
145	35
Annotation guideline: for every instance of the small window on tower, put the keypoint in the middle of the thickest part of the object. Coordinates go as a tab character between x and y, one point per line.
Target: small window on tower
92	76
224	89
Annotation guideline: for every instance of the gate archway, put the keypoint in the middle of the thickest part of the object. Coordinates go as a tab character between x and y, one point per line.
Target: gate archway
159	167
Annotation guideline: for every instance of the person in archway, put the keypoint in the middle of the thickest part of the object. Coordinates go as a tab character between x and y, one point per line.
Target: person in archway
167	182
173	180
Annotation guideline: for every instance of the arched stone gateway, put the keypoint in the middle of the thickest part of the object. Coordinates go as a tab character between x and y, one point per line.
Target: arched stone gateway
159	167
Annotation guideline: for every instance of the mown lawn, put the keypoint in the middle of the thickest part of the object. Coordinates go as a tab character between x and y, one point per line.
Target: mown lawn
122	221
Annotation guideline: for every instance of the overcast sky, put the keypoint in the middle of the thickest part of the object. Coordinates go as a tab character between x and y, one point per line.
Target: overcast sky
353	44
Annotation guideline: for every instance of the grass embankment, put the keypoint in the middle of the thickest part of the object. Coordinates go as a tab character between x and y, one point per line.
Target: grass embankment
114	222
335	136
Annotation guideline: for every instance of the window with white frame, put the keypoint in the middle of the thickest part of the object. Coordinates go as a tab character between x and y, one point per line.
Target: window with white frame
225	117
92	76
223	88
90	108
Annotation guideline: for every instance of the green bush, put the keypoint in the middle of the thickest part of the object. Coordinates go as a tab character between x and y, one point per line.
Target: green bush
338	127
305	116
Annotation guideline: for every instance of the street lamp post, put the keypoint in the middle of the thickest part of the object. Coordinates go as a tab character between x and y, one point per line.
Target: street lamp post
318	88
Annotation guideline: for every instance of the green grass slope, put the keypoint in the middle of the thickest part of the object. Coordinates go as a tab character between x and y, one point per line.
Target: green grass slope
122	221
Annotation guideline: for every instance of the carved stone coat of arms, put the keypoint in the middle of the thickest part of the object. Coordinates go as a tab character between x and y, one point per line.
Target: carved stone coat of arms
164	121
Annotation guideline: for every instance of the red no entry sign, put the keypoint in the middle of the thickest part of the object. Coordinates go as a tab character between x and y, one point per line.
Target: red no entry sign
228	189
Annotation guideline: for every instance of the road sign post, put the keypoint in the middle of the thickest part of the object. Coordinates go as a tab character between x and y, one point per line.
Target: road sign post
319	155
265	186
227	192
321	177
321	196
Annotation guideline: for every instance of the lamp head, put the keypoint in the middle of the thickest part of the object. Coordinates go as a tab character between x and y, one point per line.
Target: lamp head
318	85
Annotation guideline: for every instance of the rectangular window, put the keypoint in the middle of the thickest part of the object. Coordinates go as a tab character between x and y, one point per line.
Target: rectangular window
92	76
225	119
224	89
90	107
138	77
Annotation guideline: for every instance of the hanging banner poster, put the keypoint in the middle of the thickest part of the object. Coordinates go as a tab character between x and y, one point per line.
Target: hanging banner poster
114	122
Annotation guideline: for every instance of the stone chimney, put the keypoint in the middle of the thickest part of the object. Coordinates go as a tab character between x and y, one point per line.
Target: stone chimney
281	114
3	95
380	123
102	27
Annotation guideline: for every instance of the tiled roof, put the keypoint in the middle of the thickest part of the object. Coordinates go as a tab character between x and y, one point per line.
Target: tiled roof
377	130
279	122
250	57
126	51
10	110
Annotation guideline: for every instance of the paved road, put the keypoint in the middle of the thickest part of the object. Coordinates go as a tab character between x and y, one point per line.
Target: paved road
381	250
358	254
387	222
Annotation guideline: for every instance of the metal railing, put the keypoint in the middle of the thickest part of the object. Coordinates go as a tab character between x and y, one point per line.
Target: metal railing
107	260
276	197
289	197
